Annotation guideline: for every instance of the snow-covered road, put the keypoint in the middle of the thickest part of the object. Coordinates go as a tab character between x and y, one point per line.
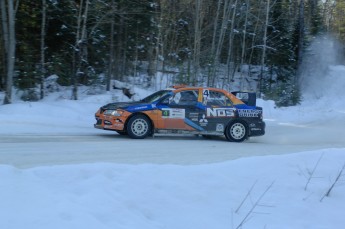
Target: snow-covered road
60	131
29	150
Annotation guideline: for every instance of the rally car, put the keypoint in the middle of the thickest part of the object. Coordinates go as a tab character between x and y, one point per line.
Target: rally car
186	110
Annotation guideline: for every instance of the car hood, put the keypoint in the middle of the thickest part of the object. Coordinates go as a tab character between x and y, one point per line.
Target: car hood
128	106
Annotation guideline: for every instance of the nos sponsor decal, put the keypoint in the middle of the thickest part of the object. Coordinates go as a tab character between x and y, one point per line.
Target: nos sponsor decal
220	112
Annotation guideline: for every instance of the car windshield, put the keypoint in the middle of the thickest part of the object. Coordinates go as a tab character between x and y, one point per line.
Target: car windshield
155	96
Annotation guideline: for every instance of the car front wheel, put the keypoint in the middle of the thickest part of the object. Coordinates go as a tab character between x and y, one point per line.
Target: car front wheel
138	127
236	131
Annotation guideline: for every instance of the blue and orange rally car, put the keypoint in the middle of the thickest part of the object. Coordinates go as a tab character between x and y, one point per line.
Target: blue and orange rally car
186	110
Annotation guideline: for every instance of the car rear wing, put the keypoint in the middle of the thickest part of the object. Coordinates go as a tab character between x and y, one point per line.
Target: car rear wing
248	98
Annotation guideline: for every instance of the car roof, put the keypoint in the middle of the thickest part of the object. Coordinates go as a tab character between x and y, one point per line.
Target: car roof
233	98
185	87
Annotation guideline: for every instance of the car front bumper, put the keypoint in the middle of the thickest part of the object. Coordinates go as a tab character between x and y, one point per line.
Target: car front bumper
109	123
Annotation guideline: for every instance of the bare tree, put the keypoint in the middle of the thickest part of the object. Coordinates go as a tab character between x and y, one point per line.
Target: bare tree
198	19
213	46
8	14
43	34
264	48
300	37
223	28
244	43
231	41
112	46
327	14
80	46
329	190
255	36
4	42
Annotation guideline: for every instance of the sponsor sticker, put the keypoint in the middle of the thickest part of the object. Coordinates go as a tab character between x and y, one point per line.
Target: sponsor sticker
194	117
220	112
173	113
141	108
249	113
203	121
220	127
165	113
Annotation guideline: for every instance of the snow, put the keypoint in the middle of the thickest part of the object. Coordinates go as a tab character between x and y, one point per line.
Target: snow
172	196
212	195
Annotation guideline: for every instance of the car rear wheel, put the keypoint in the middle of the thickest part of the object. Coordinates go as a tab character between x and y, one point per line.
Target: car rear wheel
236	131
139	126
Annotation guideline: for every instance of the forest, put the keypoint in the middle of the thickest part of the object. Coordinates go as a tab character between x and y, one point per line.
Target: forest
259	44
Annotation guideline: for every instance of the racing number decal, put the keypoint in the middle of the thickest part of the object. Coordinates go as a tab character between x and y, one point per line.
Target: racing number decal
205	95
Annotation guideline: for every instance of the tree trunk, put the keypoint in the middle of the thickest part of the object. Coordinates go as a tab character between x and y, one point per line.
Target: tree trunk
300	39
151	69
111	54
244	44
4	39
4	19
81	46
231	41
257	23
197	41
213	46
10	45
43	34
223	28
120	54
84	45
263	55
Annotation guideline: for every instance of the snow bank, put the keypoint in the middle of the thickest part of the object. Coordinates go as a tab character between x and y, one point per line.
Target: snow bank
57	113
97	196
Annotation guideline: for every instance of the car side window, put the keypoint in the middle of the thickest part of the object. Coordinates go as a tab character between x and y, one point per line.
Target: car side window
185	98
216	98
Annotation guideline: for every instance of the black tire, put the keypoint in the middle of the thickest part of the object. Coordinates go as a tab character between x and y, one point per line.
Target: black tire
236	131
206	136
139	127
121	132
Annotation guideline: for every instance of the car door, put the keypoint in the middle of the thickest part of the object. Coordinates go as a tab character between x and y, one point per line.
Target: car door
181	110
219	110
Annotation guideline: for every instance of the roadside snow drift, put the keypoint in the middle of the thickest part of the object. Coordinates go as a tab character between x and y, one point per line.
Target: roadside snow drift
260	192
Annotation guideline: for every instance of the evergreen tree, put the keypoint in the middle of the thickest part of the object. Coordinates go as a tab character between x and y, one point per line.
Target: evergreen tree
338	23
314	17
28	44
198	42
280	83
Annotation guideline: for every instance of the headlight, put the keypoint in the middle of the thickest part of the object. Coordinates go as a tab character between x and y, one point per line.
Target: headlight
113	112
